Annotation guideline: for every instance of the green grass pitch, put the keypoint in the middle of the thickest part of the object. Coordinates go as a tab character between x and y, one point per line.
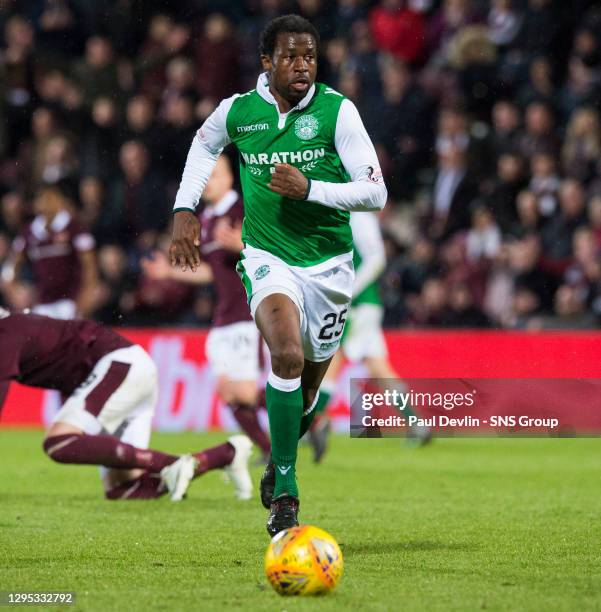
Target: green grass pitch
492	524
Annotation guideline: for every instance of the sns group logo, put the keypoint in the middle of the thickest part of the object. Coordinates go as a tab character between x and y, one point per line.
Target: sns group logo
306	127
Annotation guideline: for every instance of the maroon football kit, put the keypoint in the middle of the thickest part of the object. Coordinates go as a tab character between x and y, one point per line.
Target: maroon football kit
53	252
50	353
231	305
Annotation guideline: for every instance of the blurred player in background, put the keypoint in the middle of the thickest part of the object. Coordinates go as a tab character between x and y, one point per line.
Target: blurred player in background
61	255
232	345
306	161
110	386
363	338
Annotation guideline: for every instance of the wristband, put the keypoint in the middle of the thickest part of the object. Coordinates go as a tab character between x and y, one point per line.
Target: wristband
308	189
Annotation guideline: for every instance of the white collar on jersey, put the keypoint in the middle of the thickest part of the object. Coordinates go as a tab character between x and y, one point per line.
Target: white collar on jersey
263	91
222	206
59	223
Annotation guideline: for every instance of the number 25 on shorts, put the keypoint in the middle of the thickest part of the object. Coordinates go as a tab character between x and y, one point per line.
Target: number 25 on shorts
327	332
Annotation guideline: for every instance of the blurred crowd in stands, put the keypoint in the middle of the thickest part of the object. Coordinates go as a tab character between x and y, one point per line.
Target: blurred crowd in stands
485	115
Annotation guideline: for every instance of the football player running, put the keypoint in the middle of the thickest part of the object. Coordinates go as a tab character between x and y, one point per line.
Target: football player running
306	161
363	339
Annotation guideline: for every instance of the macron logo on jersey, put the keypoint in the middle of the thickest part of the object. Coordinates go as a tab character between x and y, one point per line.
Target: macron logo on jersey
255	127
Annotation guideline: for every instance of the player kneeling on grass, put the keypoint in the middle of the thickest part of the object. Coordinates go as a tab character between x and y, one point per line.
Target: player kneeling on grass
111	389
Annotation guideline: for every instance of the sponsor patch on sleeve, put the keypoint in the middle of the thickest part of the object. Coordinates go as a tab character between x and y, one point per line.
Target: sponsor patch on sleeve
374	175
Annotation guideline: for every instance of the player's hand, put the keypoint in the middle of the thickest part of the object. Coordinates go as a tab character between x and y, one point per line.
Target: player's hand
289	182
229	236
156	267
184	249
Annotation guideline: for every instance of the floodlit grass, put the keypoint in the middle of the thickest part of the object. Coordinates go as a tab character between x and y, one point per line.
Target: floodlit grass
491	524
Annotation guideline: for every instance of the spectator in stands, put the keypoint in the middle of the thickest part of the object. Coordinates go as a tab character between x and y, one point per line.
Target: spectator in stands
585	270
114	286
338	61
453	193
139	194
483	239
404	277
319	14
569	311
100	146
217	58
581	88
365	57
506	121
348	12
179	126
397	30
504	22
582	145
473	57
529	219
13	213
544	182
539	87
557	234
18	80
462	311
140	122
530	273
452	16
180	82
58	160
56	22
539	32
165	39
539	135
97	71
402	122
430	308
502	191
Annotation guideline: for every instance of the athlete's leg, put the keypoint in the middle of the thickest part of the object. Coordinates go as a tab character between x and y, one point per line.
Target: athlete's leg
313	374
242	397
149	485
329	382
233	352
278	320
326	389
319	428
66	443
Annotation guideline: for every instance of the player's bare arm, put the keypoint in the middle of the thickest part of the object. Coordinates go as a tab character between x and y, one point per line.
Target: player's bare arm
184	250
289	182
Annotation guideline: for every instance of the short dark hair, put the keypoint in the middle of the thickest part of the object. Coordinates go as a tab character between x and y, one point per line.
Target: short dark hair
286	23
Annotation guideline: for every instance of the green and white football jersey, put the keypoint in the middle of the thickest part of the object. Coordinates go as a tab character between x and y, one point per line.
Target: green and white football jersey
324	138
299	232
